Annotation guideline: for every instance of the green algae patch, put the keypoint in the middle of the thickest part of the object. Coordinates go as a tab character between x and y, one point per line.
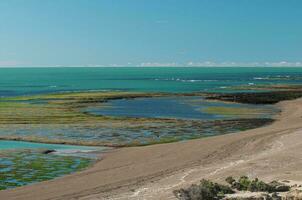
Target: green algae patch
18	168
238	112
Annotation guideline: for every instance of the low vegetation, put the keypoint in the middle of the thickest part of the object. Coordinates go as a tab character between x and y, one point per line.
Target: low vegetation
246	184
238	112
208	190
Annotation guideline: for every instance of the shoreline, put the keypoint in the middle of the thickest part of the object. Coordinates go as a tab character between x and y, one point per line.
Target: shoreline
143	172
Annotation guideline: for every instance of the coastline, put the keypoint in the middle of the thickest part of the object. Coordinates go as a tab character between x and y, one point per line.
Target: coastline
153	172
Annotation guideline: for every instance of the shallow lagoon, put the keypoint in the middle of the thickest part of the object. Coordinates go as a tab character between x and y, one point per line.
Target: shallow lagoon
189	107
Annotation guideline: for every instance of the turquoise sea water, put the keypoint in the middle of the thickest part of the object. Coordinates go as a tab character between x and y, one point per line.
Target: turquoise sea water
23	81
9	145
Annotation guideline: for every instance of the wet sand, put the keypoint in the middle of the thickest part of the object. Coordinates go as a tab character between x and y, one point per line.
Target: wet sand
273	152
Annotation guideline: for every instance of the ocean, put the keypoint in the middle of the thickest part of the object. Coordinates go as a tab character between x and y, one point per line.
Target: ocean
28	81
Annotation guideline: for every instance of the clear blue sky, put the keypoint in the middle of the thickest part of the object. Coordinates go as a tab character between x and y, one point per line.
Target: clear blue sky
106	32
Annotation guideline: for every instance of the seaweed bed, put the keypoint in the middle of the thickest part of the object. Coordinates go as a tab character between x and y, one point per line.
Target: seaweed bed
18	168
271	97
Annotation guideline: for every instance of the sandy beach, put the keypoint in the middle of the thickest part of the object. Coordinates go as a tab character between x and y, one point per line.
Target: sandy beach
153	172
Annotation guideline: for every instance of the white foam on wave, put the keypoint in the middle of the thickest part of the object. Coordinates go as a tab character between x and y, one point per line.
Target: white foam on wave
272	77
185	80
259	78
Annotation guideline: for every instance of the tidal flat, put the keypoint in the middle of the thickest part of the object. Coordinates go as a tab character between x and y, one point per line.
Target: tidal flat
63	118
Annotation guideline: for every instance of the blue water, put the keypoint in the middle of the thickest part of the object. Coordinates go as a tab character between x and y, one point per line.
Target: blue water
162	107
8	145
169	107
24	81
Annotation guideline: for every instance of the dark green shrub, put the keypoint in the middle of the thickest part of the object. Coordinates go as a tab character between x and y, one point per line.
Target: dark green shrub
230	180
195	192
245	184
206	190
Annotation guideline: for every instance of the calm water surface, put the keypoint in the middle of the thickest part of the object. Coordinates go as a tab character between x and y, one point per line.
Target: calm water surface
25	81
172	107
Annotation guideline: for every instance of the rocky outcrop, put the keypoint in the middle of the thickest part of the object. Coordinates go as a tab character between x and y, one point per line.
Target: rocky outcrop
250	196
48	151
293	195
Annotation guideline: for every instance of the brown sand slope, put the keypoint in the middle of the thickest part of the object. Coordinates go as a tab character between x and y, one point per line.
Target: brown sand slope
153	172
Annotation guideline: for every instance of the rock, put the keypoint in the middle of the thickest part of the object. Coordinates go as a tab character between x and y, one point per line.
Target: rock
282	188
48	151
279	187
248	196
293	195
275	196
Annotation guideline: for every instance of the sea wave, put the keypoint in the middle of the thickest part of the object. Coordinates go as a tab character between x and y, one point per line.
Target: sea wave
185	80
277	77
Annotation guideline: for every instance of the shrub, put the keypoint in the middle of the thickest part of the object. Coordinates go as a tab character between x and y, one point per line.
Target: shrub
245	184
230	180
206	190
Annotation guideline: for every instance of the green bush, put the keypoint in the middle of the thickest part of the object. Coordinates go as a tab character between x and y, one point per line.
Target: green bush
246	184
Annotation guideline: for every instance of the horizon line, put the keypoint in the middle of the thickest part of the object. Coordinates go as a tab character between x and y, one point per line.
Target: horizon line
178	66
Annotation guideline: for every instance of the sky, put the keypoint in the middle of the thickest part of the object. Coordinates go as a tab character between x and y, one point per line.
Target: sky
150	32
